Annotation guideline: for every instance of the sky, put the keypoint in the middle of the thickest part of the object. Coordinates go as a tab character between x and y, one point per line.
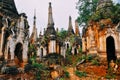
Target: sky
62	9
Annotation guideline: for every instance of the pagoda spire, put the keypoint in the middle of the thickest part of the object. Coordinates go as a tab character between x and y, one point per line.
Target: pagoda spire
50	26
34	31
77	33
50	17
70	27
34	23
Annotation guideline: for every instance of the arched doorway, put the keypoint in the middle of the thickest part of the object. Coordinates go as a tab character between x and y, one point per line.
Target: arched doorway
67	46
110	47
9	55
75	51
18	53
41	52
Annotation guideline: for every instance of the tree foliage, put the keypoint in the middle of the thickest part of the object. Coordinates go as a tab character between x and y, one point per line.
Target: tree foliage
62	33
88	11
116	13
112	12
86	8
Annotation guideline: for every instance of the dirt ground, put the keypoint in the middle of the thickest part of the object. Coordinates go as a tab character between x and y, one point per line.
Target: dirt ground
93	73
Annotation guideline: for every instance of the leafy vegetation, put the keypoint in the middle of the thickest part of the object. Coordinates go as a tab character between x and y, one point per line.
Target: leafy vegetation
67	75
87	12
80	50
62	33
31	50
54	58
112	12
86	8
28	67
95	62
80	74
89	57
61	79
108	76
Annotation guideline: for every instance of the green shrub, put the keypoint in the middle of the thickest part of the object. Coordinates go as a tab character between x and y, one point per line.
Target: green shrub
80	74
37	65
89	57
29	61
68	52
38	75
28	67
108	76
80	50
67	74
95	62
68	60
61	79
82	57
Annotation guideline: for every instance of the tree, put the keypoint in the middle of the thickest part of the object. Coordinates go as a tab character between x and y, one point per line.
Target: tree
108	12
86	8
116	13
62	33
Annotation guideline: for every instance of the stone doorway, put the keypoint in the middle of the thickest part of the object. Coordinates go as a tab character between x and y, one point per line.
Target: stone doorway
18	54
9	55
75	51
41	52
110	47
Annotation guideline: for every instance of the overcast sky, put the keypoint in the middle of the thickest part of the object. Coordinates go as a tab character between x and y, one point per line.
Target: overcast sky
62	9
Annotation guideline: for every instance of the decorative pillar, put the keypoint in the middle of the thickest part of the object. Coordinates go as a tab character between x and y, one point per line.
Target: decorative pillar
44	51
25	50
12	47
2	41
63	51
52	47
6	51
38	51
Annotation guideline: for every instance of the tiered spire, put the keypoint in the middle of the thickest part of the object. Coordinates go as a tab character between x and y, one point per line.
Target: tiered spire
77	33
50	27
34	32
50	17
70	27
34	23
7	7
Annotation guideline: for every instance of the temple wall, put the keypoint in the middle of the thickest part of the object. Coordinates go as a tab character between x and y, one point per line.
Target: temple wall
57	48
100	40
52	46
